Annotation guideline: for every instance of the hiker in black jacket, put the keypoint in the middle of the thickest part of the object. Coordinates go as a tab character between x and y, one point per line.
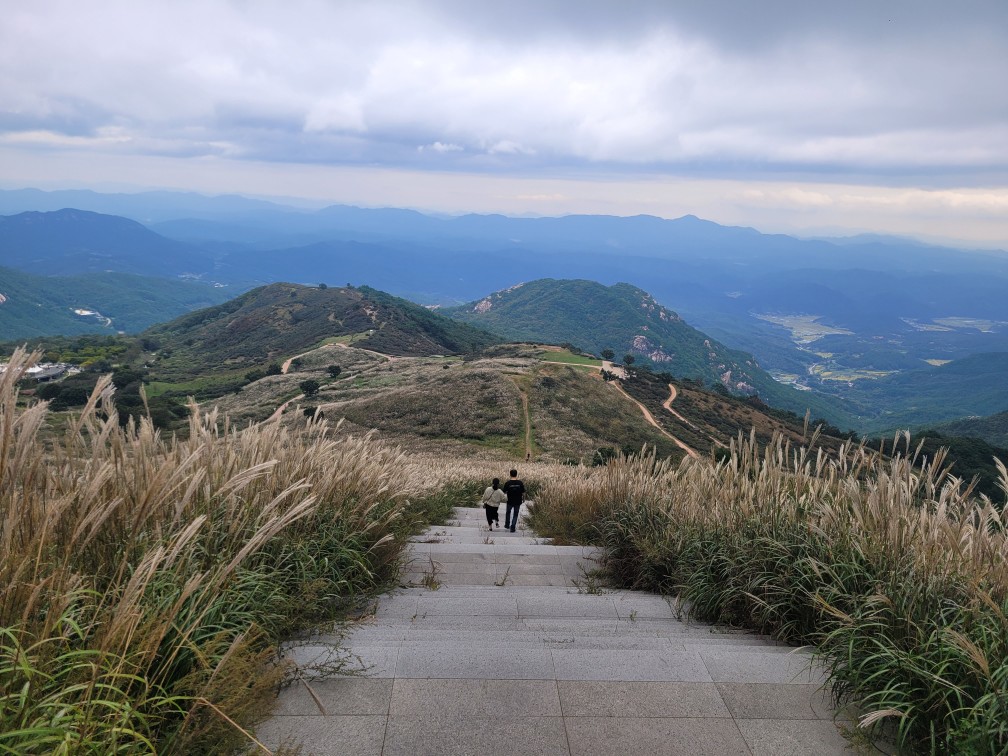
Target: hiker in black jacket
515	491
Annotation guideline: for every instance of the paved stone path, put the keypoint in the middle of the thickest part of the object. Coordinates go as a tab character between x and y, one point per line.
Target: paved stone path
508	655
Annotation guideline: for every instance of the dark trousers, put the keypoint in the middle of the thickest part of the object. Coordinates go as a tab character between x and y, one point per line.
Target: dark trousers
493	515
509	522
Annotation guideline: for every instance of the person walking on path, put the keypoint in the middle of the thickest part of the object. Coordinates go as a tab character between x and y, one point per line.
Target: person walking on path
515	491
493	497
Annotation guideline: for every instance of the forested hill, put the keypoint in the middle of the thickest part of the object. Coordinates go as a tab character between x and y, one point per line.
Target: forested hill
628	320
284	318
993	429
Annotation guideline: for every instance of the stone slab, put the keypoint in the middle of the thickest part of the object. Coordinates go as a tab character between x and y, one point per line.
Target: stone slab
791	737
543	580
451	578
632	736
624	665
525	736
319	661
325	736
761	666
478	699
570	605
776	701
635	606
475	662
343	696
590	698
503	606
503	557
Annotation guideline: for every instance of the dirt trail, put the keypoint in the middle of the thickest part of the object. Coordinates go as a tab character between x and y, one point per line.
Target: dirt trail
650	418
618	370
667	404
384	356
279	410
528	424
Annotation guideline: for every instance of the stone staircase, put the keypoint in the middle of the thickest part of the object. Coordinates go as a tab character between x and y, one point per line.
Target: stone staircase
503	643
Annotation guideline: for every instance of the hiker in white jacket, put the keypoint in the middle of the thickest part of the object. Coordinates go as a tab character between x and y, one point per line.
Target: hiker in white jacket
493	497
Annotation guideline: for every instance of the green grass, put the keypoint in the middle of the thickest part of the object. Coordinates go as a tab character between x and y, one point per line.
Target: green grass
347	338
569	358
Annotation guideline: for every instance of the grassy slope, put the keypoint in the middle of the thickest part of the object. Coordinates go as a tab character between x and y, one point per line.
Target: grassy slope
43	305
971	386
278	321
992	429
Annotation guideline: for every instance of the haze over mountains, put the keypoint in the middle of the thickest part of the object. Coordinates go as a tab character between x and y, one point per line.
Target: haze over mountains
863	322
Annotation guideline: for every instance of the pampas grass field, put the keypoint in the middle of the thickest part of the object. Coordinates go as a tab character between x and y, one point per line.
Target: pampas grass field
148	583
887	565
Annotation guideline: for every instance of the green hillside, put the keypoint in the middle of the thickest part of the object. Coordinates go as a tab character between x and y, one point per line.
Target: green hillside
974	385
993	428
628	320
32	305
210	351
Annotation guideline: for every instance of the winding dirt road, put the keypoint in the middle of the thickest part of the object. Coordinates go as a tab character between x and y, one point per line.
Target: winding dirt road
650	418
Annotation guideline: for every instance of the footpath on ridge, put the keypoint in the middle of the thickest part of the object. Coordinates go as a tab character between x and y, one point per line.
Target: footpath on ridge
500	644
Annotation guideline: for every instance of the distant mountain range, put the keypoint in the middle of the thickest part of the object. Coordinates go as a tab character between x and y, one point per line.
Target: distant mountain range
75	241
860	322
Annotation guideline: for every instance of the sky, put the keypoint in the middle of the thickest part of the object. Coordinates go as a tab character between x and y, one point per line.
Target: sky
800	117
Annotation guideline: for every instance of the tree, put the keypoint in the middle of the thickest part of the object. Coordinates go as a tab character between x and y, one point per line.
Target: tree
310	387
274	369
334	371
608	354
628	359
323	286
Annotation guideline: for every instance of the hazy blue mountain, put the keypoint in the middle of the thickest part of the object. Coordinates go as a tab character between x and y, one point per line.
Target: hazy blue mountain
45	305
76	241
145	207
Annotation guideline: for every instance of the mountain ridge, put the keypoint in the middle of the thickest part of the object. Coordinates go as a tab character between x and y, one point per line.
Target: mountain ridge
629	320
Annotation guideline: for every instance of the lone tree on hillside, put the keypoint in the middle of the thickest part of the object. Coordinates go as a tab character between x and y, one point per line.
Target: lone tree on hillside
608	354
310	387
323	286
334	371
628	359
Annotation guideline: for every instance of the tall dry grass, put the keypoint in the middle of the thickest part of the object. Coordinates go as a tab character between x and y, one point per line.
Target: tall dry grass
145	582
889	566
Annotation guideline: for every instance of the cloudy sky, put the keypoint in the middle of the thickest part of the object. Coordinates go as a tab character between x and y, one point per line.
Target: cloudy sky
787	116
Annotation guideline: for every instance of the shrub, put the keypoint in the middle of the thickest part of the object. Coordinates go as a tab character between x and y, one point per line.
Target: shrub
309	387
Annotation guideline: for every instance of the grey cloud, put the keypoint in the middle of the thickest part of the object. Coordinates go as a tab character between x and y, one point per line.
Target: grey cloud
870	88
